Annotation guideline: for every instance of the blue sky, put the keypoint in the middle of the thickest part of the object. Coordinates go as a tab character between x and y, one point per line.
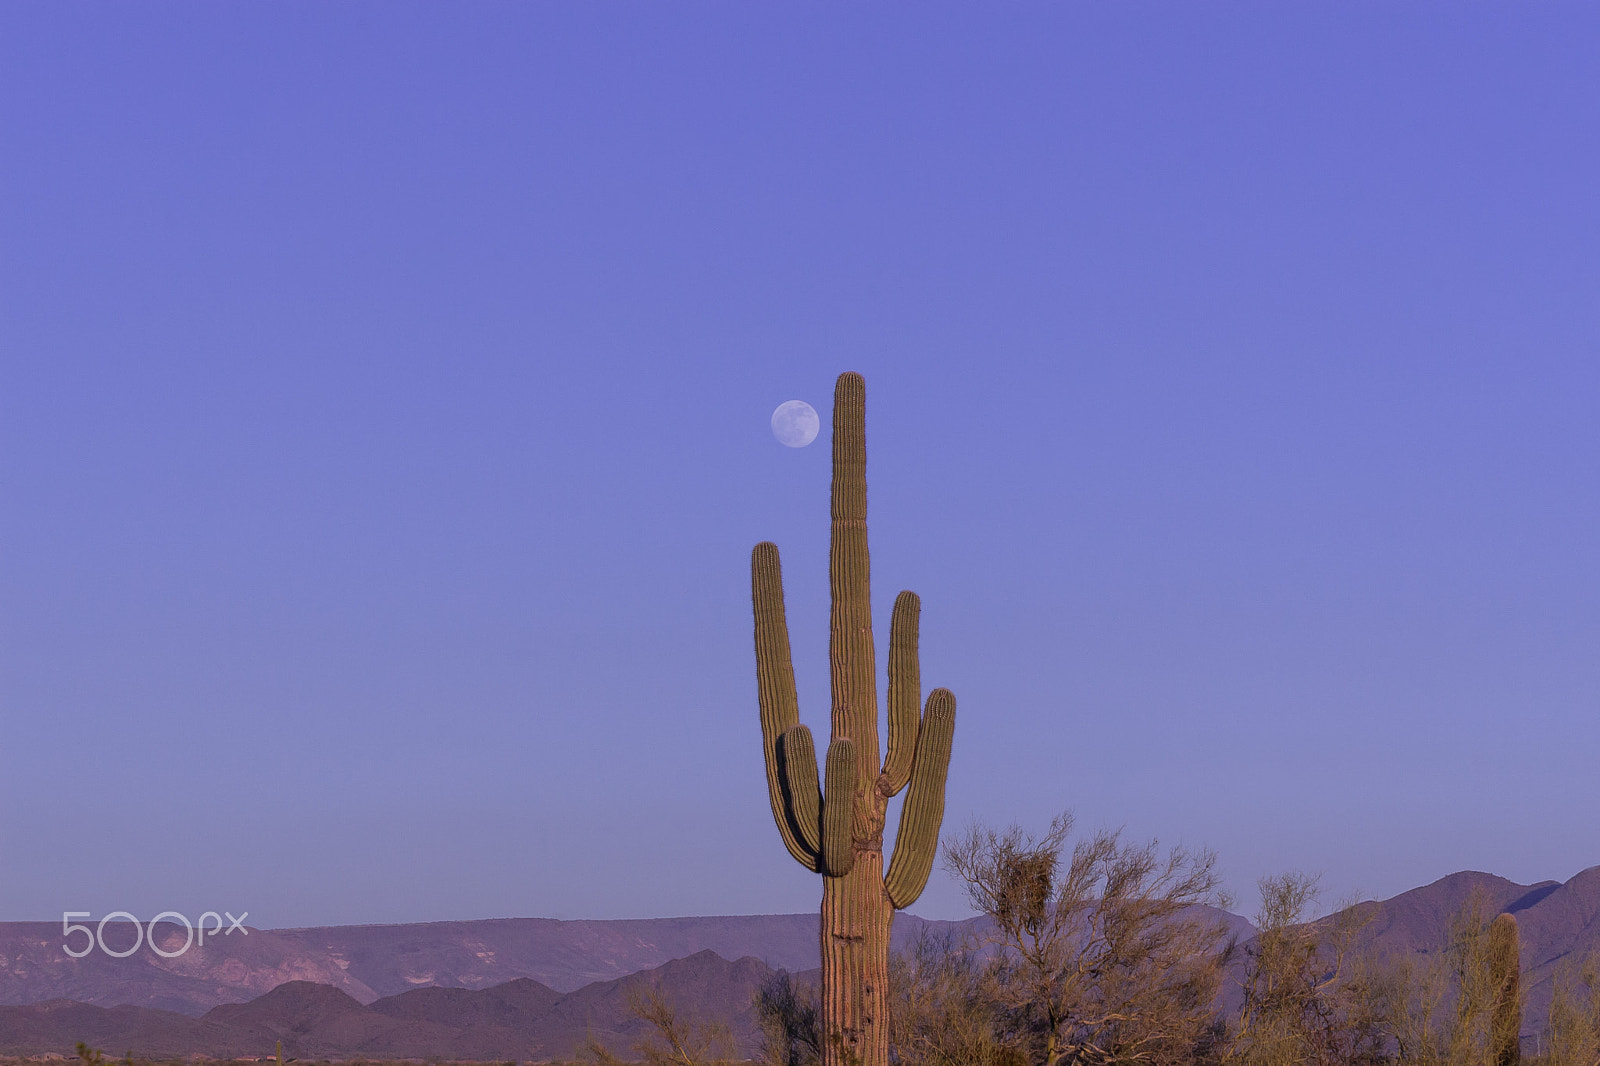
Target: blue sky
384	398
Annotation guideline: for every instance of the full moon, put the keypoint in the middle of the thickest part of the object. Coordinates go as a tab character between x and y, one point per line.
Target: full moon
795	423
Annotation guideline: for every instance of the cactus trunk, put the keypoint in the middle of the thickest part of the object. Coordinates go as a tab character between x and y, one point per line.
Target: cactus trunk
837	830
1505	968
856	917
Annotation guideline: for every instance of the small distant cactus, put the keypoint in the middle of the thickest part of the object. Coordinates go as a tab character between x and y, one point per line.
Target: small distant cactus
837	830
1505	968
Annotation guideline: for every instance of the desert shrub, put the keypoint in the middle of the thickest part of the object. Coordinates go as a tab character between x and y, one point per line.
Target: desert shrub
1441	1010
944	1008
1307	1000
675	1040
1571	1035
1103	954
788	1015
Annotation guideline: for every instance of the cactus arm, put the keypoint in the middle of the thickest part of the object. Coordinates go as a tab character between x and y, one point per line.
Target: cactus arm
905	694
802	800
839	830
780	709
852	670
838	804
916	841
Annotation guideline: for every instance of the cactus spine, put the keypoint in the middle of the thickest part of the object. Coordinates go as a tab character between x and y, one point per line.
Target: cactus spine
1505	966
837	830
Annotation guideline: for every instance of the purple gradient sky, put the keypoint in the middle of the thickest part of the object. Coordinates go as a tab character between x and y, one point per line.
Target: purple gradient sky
383	434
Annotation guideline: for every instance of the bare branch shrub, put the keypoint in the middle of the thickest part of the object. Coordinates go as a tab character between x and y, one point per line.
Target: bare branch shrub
1306	999
675	1041
1441	1011
943	1008
790	1024
1098	956
1571	1036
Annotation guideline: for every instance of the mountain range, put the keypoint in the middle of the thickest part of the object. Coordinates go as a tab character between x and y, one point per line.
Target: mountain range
518	1020
530	988
368	962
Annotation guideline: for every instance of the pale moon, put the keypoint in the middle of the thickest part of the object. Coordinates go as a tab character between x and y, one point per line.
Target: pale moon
795	423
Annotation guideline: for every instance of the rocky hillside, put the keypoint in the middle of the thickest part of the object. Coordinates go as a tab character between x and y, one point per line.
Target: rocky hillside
517	1020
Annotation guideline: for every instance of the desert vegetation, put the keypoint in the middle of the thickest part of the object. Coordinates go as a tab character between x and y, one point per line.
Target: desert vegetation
1095	950
1102	951
675	1038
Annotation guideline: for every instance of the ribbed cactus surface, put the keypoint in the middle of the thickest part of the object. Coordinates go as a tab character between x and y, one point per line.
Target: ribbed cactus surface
1505	969
837	829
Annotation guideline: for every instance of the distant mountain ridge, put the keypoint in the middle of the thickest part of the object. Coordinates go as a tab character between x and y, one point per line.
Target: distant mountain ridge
368	962
527	987
518	1020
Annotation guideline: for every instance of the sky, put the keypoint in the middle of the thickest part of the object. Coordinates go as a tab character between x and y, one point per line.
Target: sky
384	430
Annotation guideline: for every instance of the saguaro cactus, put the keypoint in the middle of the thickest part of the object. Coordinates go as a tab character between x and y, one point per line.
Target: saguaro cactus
837	830
1505	968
